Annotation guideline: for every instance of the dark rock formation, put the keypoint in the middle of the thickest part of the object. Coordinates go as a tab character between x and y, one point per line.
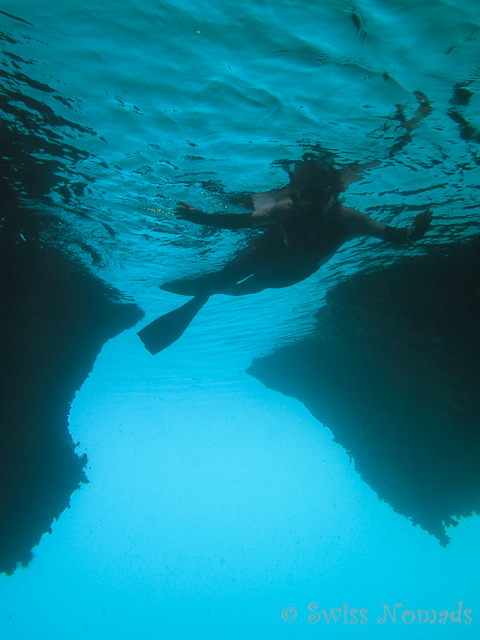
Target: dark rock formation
54	319
54	315
393	369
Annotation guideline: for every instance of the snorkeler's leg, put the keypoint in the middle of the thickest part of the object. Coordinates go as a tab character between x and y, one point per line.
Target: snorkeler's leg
264	253
242	266
210	282
282	276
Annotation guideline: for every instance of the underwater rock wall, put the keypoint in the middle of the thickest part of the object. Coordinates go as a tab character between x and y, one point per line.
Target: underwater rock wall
393	369
54	318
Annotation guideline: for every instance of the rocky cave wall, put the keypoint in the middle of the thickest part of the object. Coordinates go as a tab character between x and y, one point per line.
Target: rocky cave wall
393	369
54	318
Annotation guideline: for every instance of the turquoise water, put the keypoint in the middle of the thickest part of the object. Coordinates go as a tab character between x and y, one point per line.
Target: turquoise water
214	503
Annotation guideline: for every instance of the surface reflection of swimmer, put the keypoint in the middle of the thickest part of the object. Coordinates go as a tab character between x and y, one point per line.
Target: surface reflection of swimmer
304	225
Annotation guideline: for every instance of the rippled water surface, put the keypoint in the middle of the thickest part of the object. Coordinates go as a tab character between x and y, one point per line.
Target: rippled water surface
111	112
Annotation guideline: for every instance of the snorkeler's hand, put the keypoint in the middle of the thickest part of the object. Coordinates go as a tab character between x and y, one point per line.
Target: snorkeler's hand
420	226
185	211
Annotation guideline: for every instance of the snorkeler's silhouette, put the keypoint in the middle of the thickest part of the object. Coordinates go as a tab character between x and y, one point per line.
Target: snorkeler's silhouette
305	224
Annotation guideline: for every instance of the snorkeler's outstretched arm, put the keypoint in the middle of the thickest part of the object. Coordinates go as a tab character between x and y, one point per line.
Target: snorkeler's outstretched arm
359	224
409	235
229	221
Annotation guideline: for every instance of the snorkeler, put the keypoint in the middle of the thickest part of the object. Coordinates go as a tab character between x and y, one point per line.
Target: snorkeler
304	224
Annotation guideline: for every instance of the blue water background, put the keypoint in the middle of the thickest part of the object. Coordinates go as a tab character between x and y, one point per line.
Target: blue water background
213	502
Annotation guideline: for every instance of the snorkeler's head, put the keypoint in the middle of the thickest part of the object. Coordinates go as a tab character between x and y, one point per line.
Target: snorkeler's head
315	183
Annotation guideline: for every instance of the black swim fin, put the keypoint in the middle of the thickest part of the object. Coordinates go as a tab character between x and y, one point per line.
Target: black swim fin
164	331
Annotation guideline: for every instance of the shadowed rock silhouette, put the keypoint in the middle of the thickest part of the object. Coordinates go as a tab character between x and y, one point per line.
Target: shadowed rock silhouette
393	369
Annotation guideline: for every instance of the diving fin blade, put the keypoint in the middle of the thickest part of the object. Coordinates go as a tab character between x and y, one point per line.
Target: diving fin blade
167	329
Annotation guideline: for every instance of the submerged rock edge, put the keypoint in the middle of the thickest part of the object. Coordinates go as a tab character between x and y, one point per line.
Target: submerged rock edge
393	370
55	317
